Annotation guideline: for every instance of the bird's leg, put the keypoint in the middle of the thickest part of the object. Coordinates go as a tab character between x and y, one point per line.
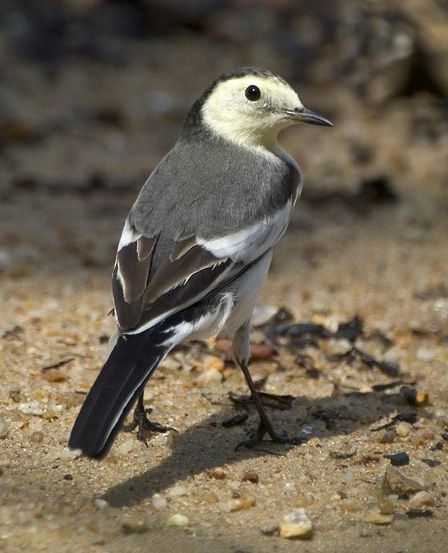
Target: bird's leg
280	402
241	351
265	425
143	424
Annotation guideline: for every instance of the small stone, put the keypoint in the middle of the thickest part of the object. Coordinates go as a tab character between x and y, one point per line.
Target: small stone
15	395
398	459
261	351
178	520
403	429
386	506
37	437
210	376
377	518
52	411
126	447
177	491
101	503
159	502
387	437
241	503
421	499
437	446
425	354
416	513
347	477
68	476
31	408
68	453
54	375
395	482
250	476
343	454
413	396
431	462
133	524
296	525
4	428
218	473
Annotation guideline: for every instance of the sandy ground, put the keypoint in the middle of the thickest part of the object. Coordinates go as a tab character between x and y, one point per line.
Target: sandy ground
371	264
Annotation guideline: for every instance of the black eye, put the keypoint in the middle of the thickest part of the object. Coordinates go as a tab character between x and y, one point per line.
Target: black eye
253	93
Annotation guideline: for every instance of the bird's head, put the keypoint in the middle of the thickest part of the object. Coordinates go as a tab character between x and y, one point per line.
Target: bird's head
250	107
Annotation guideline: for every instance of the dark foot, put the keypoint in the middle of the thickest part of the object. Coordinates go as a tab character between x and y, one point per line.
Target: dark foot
265	426
144	425
282	403
274	437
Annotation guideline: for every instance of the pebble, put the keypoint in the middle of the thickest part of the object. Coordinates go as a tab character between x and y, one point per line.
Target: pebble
133	524
241	503
70	453
395	482
159	502
177	491
296	525
425	354
178	520
250	476
126	447
210	376
387	506
398	459
101	503
421	499
416	513
4	428
431	462
403	429
218	473
387	437
31	408
347	477
413	396
37	437
374	517
343	453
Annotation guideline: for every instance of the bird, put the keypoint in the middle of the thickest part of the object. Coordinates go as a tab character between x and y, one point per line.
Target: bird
197	245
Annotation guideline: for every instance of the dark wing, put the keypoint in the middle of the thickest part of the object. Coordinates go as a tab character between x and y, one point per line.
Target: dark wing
142	297
155	277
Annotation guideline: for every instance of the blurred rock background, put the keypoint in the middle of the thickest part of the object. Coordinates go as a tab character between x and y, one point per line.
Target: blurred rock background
92	93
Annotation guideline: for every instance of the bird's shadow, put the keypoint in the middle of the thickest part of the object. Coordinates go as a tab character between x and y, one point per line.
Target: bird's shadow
208	444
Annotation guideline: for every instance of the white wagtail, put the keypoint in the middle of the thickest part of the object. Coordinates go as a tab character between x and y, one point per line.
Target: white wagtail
197	245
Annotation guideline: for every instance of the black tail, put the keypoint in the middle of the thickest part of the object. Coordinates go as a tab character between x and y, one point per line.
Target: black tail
123	377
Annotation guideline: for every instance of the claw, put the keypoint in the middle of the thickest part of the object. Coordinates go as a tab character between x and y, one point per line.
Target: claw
274	437
144	425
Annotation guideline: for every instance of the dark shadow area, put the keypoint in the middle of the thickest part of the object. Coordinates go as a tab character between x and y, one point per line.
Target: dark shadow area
207	444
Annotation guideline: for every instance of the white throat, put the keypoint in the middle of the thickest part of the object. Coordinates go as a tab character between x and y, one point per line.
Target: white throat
263	141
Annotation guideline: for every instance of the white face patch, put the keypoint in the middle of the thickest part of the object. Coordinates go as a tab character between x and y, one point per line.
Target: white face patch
253	124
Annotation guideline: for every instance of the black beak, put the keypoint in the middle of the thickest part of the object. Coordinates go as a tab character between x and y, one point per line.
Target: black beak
308	116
